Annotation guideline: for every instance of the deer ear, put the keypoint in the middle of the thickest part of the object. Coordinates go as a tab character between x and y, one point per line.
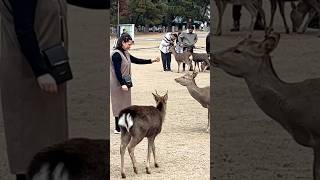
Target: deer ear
270	42
155	97
166	96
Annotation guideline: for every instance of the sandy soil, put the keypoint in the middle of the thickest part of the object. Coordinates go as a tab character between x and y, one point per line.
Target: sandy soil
87	97
247	144
183	145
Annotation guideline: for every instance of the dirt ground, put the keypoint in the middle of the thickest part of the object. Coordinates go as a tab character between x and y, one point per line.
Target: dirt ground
183	145
245	143
87	96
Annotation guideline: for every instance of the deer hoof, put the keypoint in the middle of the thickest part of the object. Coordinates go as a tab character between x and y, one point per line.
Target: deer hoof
135	170
156	165
148	170
123	175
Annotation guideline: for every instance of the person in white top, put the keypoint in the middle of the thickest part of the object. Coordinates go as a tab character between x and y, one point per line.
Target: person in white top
166	43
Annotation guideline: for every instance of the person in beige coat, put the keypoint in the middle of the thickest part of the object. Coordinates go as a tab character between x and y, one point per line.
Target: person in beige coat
34	106
120	67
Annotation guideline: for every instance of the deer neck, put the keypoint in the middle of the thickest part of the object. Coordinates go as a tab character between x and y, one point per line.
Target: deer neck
174	52
162	109
194	90
269	92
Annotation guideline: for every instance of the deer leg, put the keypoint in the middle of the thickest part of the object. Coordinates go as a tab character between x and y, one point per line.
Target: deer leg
125	139
190	65
208	126
281	7
195	66
253	12
132	144
273	11
263	15
316	163
306	21
221	7
148	156
178	66
154	151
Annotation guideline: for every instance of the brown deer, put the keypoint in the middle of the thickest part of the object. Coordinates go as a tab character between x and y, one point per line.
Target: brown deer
185	57
74	159
253	6
202	95
294	105
202	58
137	122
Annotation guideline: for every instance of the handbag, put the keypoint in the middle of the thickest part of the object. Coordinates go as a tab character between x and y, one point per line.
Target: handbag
127	80
57	61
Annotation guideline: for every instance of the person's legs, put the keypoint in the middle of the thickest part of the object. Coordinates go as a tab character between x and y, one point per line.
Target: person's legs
169	62
117	128
164	60
190	68
258	25
21	177
236	15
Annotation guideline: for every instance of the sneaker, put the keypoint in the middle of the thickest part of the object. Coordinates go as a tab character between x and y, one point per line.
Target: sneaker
116	132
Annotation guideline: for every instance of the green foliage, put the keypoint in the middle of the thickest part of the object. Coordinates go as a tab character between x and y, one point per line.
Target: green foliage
155	12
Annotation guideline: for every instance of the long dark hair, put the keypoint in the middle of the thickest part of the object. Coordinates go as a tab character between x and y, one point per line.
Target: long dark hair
125	37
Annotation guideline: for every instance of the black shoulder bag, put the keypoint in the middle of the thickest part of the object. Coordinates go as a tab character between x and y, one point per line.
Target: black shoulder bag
57	62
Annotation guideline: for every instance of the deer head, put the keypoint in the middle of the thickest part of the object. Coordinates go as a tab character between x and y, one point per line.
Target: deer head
246	56
186	79
160	99
172	49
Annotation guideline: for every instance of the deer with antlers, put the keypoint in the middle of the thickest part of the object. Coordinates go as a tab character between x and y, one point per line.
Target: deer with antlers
137	122
295	106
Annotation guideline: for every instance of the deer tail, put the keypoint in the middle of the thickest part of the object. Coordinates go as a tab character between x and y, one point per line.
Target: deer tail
126	121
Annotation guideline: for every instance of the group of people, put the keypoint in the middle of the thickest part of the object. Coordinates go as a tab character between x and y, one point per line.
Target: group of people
185	41
121	59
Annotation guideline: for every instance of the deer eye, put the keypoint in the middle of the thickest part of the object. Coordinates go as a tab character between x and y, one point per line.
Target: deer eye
237	51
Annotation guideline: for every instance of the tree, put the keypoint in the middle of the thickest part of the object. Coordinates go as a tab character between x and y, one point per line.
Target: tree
156	12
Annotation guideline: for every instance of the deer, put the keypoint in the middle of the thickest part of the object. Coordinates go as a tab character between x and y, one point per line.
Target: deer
73	159
202	95
295	106
202	58
138	122
299	12
253	6
185	57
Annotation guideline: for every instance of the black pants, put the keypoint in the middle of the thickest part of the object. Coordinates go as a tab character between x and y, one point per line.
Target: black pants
21	177
166	61
184	64
116	119
236	14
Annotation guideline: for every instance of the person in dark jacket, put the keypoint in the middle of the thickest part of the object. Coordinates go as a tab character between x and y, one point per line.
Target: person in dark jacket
121	67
